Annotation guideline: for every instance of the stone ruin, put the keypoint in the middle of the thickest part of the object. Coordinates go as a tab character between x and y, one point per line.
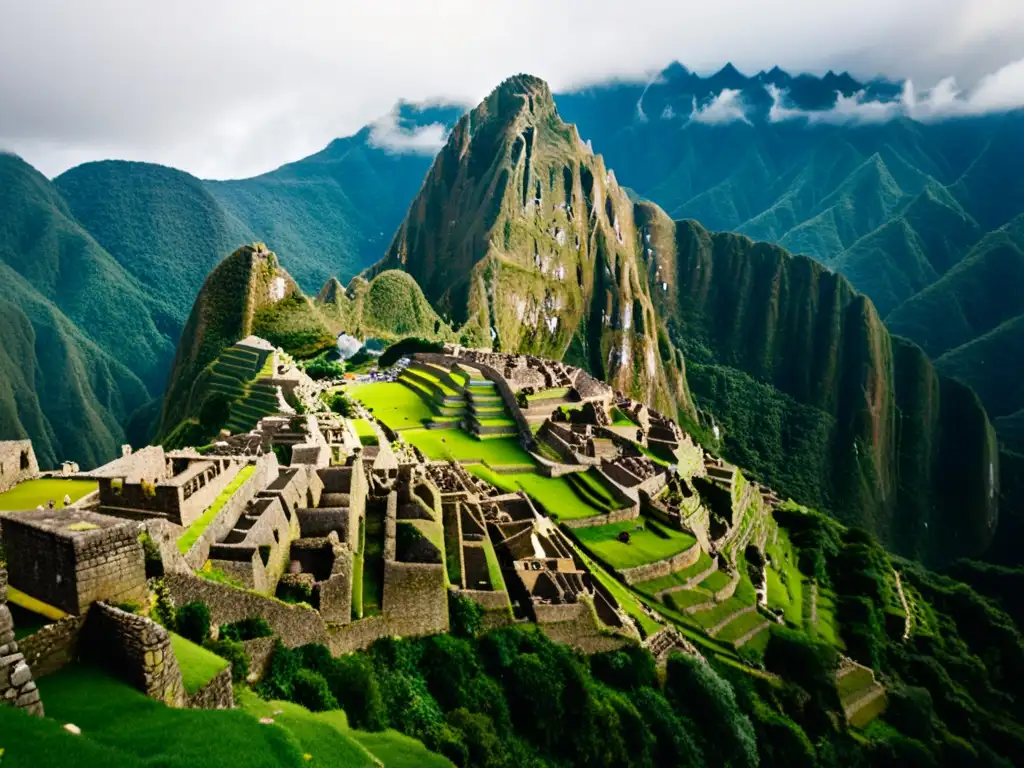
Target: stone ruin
17	688
17	463
70	558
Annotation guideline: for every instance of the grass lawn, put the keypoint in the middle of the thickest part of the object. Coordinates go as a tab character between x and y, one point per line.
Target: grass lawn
677	579
548	394
737	628
191	536
432	378
448	444
716	581
554	494
684	598
785	582
653	543
493	567
365	432
592	486
392	403
198	665
103	707
720	612
30	494
828	625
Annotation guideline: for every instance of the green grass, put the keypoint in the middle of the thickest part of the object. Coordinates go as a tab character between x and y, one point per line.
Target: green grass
684	598
396	750
619	419
720	612
393	404
432	378
365	432
554	494
737	628
198	665
828	625
449	444
592	485
785	585
677	579
16	597
853	682
194	531
493	567
548	394
30	494
716	581
653	543
103	706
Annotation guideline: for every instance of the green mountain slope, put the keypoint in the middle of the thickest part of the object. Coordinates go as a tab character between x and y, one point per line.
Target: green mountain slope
811	393
162	225
41	240
521	236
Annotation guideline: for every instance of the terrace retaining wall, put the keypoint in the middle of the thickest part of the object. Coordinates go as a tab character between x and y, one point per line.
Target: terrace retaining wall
54	646
265	472
216	694
136	649
615	516
670	565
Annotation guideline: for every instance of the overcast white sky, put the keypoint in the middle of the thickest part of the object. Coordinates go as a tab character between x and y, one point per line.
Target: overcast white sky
229	89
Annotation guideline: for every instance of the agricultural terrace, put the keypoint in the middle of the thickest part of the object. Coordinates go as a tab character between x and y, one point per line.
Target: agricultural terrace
194	531
198	665
556	495
32	493
393	404
648	542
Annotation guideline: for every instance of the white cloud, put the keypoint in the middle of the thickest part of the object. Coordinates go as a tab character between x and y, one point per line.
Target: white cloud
726	107
224	89
418	140
1000	91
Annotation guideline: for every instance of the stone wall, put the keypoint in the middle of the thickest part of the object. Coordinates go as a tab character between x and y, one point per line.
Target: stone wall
259	652
579	629
216	694
295	624
264	473
415	598
69	567
17	463
670	565
54	646
631	512
17	687
136	649
149	463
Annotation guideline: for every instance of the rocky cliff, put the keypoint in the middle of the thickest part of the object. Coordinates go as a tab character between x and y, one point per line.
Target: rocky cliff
522	237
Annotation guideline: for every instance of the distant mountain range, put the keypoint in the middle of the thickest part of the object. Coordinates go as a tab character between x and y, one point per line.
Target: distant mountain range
104	262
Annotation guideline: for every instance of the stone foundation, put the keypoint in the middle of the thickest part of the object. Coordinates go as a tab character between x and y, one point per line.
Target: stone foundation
54	646
16	684
216	694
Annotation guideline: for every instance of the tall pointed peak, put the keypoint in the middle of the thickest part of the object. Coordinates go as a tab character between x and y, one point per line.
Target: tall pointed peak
332	292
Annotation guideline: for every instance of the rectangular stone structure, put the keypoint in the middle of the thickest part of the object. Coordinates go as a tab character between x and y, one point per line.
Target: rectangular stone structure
70	558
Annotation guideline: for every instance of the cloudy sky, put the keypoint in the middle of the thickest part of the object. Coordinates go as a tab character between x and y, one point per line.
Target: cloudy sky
229	89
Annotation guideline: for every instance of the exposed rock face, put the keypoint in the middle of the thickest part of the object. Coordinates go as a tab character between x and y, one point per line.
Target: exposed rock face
523	236
864	425
17	688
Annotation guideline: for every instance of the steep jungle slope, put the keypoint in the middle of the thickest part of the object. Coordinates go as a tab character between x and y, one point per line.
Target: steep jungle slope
809	391
161	224
522	237
247	293
41	240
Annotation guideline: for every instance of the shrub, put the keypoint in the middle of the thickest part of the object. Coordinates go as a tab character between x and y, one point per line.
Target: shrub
277	681
233	651
163	612
483	744
151	553
353	682
627	669
192	622
246	629
465	617
310	689
322	368
128	607
407	347
697	692
215	412
340	403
